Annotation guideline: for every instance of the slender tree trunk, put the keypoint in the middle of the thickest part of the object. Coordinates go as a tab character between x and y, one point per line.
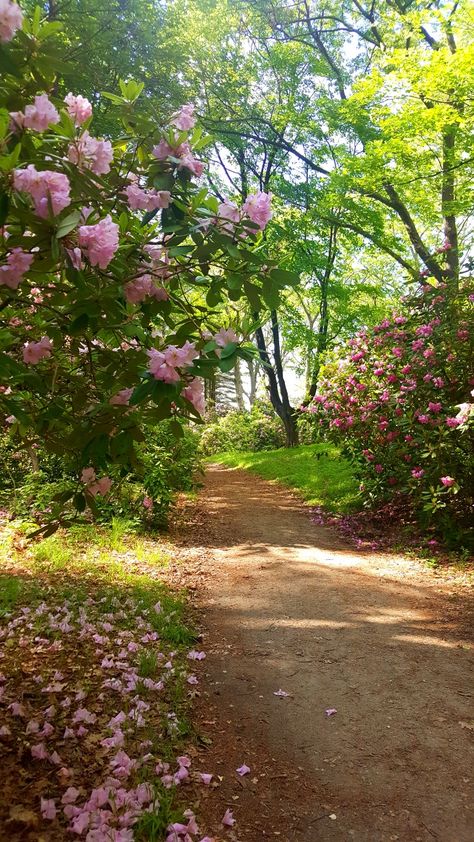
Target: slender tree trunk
280	404
253	376
239	391
210	393
447	204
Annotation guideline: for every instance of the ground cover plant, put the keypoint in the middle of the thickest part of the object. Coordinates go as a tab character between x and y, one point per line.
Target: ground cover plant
98	666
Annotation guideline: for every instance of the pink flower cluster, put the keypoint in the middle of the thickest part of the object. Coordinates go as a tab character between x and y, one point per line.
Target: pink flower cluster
121	398
257	208
99	242
33	352
163	365
49	190
92	154
78	108
148	200
194	393
180	151
93	485
392	397
11	19
38	116
11	272
142	287
184	119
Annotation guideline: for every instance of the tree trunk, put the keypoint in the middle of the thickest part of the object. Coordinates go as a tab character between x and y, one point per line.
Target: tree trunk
239	390
210	393
280	404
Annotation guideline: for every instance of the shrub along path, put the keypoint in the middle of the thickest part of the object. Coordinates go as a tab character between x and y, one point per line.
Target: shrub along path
372	736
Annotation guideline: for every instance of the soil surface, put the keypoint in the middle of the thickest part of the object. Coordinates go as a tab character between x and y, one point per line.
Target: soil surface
380	639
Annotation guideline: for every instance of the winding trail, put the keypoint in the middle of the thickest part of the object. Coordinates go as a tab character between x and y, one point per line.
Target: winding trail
288	605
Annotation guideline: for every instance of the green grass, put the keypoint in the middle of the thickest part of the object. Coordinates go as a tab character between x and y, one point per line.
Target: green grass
316	471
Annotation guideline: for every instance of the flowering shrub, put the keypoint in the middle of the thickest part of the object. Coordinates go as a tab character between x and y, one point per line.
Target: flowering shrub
399	401
112	260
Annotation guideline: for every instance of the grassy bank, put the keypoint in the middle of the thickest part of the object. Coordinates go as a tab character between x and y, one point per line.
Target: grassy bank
316	471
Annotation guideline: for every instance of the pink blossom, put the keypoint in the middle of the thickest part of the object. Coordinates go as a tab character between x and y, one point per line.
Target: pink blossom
417	473
87	476
225	337
40	115
184	119
11	19
18	262
159	369
78	108
206	778
243	770
81	822
33	352
258	208
70	796
447	481
379	468
423	419
230	213
83	715
192	164
100	241
121	398
148	200
102	486
228	819
48	189
453	422
147	503
48	808
91	153
196	656
39	751
163	150
435	406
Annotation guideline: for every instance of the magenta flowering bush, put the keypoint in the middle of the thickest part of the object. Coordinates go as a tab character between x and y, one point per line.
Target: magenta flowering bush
113	260
399	400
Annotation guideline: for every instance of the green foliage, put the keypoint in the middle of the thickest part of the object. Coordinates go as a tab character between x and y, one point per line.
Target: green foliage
259	429
318	472
81	299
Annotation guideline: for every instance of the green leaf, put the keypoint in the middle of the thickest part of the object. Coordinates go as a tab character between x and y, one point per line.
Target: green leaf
176	428
227	363
79	502
285	278
68	224
143	391
251	292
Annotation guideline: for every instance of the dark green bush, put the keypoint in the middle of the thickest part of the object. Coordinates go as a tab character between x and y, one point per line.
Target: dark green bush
259	429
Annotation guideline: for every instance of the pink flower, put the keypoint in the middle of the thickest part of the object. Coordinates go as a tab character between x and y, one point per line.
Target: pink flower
196	656
121	398
243	770
48	189
417	473
192	164
205	778
257	208
228	819
48	808
379	469
102	486
91	153
453	422
147	503
149	200
39	751
229	212
100	241
33	352
163	150
447	481
184	119
194	393
225	337
40	115
88	475
70	796
18	262
423	419
78	108
83	715
11	19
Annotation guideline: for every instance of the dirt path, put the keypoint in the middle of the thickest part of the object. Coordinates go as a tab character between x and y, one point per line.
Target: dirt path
287	605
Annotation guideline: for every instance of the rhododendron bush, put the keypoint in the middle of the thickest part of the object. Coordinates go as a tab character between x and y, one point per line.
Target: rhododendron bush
112	260
399	400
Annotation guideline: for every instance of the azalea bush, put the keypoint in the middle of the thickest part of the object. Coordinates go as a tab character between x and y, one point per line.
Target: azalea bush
398	399
112	261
